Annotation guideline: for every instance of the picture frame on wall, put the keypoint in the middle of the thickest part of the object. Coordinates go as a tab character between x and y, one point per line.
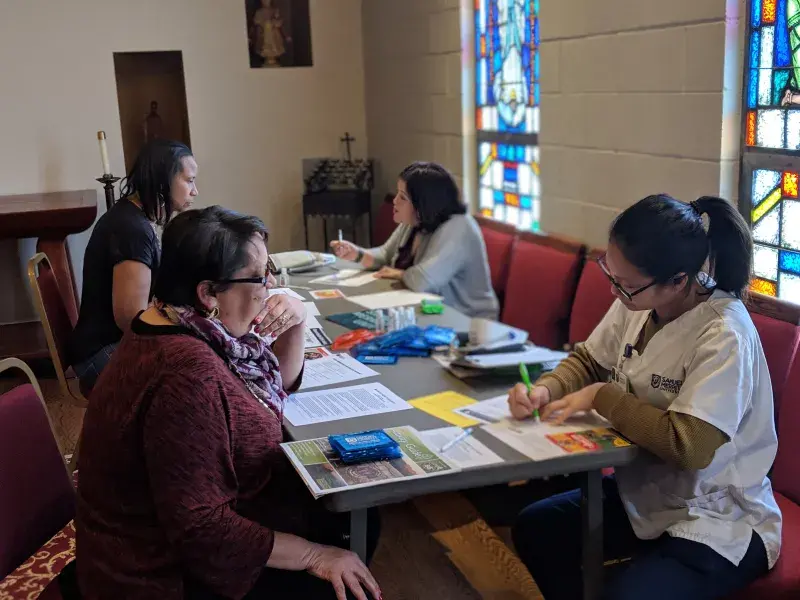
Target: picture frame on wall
278	33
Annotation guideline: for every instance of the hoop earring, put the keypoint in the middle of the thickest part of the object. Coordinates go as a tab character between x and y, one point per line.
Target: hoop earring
213	313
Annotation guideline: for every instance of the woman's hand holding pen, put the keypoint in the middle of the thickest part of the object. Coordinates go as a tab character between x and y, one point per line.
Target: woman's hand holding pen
522	404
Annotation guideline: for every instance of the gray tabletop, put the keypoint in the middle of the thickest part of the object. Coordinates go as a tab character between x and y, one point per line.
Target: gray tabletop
414	377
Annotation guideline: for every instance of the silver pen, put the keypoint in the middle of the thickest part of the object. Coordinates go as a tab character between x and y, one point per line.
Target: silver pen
458	439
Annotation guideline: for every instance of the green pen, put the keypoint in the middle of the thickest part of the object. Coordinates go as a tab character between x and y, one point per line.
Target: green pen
526	379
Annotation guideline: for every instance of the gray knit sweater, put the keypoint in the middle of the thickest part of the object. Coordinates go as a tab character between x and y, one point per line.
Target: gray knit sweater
450	262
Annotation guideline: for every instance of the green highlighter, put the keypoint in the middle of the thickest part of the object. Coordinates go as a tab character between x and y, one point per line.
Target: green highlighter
526	379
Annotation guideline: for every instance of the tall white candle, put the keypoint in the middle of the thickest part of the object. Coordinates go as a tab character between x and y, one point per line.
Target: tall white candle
101	139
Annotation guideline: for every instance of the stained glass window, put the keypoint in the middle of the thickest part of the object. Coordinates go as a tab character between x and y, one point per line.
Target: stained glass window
771	154
773	79
507	109
775	214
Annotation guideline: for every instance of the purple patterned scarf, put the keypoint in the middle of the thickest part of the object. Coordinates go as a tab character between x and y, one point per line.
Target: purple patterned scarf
250	356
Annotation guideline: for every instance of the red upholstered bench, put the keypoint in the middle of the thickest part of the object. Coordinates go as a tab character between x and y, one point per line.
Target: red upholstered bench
542	276
499	239
593	298
783	582
384	224
777	324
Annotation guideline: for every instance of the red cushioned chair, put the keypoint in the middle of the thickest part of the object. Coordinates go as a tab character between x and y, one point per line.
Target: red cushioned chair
542	276
384	222
783	582
777	324
499	239
593	298
37	500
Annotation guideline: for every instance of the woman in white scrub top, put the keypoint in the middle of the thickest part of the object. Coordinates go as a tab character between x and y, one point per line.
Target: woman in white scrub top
677	367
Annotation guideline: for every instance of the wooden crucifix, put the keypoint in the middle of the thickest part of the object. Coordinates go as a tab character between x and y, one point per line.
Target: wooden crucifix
347	139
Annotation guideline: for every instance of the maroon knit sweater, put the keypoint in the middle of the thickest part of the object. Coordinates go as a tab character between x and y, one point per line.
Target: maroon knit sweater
181	475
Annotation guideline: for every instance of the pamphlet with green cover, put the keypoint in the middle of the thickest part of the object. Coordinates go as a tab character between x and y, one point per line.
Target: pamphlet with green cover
324	472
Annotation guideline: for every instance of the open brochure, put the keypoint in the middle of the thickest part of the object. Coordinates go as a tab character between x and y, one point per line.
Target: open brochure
324	473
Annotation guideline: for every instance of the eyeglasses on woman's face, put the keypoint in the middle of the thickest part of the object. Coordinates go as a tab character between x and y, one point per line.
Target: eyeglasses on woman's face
265	280
705	281
623	292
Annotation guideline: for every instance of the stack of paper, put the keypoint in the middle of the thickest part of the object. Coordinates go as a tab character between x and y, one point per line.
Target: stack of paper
341	403
531	355
324	472
339	368
392	299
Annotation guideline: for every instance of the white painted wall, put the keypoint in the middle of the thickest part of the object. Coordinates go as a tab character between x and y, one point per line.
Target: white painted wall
250	128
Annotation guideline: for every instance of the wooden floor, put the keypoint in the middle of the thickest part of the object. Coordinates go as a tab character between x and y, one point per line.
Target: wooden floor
436	547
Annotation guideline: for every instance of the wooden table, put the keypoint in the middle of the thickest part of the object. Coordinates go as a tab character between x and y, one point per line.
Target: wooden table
50	217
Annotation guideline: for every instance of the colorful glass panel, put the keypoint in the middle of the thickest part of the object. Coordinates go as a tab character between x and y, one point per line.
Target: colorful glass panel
763	286
773	87
776	230
507	97
509	183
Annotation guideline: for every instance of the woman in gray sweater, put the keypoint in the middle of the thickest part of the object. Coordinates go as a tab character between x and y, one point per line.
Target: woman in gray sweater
436	248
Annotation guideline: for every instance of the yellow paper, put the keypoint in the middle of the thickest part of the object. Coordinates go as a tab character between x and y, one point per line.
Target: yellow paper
442	406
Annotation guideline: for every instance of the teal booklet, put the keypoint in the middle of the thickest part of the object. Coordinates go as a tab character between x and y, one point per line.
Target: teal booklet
364	319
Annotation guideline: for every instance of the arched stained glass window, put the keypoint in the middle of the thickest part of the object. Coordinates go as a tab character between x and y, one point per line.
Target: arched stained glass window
771	145
507	110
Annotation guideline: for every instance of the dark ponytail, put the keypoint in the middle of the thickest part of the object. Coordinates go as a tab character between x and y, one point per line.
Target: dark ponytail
663	237
730	244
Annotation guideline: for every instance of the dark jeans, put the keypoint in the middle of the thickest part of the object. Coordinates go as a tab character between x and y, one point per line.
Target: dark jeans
547	536
89	370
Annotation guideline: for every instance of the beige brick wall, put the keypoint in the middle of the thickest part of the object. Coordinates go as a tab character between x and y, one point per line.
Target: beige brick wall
638	97
412	61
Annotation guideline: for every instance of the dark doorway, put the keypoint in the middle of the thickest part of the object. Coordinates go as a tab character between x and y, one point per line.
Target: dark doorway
151	91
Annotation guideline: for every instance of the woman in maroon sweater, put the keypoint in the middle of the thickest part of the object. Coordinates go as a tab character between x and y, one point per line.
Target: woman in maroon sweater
184	491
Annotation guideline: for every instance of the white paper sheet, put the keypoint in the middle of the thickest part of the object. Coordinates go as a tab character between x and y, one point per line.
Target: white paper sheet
286	291
336	277
339	368
392	299
467	453
358	280
341	403
529	437
311	309
492	410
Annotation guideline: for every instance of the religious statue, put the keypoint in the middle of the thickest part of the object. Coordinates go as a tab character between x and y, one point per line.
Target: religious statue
153	125
269	39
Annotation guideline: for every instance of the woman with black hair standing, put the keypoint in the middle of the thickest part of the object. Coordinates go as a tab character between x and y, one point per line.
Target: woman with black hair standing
436	248
123	253
677	367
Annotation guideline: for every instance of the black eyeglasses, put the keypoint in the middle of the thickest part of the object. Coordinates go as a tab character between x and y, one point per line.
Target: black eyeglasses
625	293
262	280
705	280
